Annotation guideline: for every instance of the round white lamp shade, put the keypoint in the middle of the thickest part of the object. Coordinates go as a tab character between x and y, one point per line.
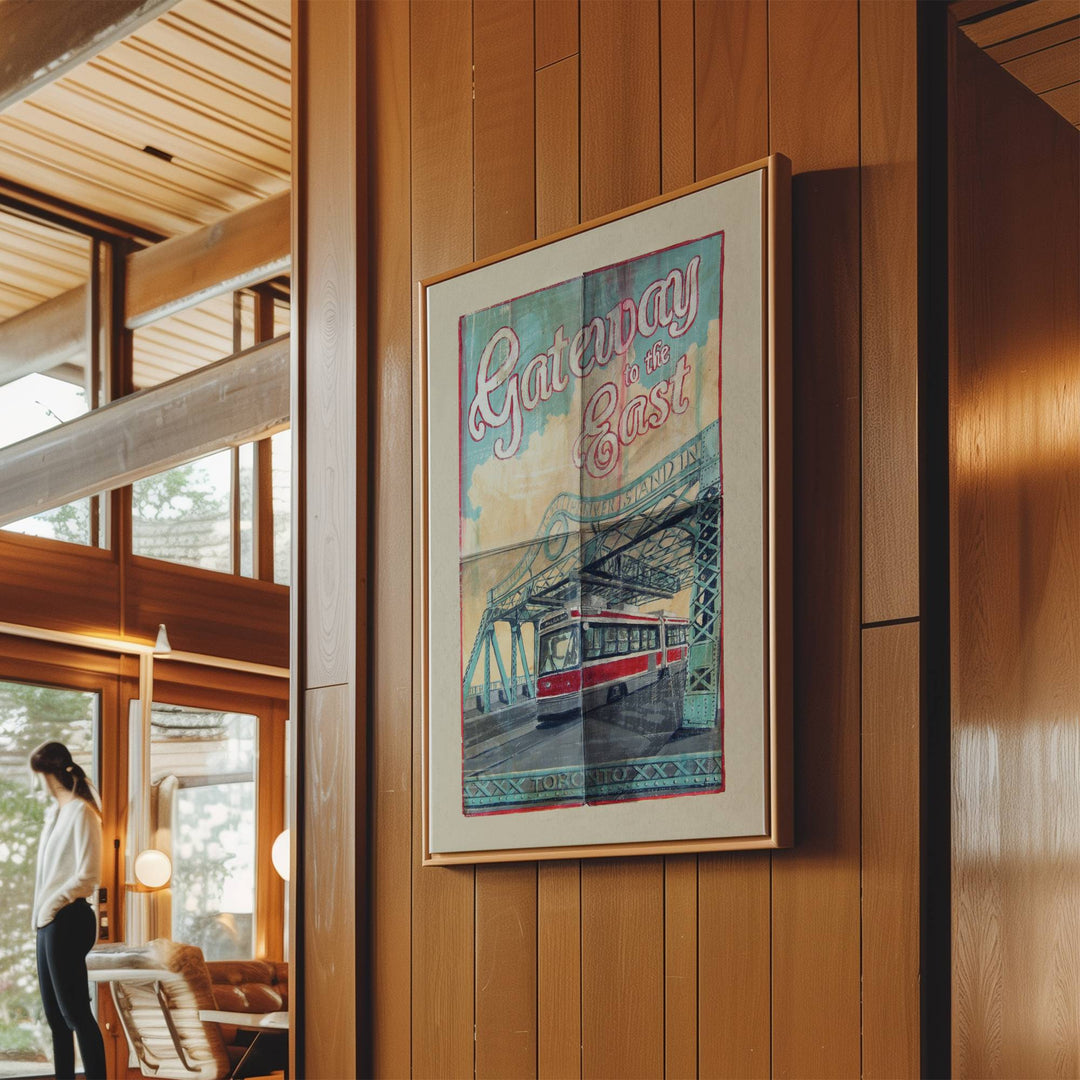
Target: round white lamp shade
153	868
279	854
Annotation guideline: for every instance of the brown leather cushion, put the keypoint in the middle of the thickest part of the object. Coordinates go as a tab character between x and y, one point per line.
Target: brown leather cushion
253	986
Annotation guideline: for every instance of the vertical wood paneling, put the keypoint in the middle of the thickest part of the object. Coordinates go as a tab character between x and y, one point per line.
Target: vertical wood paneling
556	30
559	970
557	147
890	469
328	1001
1014	481
622	991
890	851
620	113
813	97
710	963
503	117
558	962
680	965
734	918
442	172
732	79
622	900
680	871
506	971
504	194
391	639
676	94
733	966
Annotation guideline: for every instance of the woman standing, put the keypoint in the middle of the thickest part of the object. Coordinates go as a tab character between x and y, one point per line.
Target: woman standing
68	870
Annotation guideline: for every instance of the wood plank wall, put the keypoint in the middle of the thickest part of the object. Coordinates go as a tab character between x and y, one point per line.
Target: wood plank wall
495	121
1014	370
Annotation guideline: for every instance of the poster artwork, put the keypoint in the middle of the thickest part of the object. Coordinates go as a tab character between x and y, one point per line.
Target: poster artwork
591	537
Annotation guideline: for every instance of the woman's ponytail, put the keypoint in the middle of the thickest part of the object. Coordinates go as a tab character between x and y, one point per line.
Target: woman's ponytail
54	759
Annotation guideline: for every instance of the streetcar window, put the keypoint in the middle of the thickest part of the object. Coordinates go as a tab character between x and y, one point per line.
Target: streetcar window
654	637
593	643
611	640
624	640
559	650
635	639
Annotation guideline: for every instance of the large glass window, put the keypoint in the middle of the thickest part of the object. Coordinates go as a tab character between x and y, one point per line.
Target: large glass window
46	373
185	515
203	773
29	716
281	468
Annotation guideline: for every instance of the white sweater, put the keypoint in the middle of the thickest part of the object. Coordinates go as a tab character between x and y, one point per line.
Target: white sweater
69	858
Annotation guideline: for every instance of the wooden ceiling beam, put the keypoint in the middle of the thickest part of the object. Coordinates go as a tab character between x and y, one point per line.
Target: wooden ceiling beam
42	39
247	247
236	400
45	336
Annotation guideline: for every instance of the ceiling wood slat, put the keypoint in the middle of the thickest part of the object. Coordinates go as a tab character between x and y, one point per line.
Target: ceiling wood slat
1066	100
1020	20
1048	69
1033	42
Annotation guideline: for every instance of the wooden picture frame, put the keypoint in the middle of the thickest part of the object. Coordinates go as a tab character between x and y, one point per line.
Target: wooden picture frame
603	517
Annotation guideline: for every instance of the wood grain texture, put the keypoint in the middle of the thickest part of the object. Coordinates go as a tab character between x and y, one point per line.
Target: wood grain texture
391	637
504	188
681	965
1048	68
42	43
329	330
815	887
558	886
214	614
1066	101
677	94
236	251
557	188
1036	40
734	935
59	586
622	927
1014	471
241	398
890	851
1019	19
890	323
443	954
731	74
503	118
50	333
620	114
506	971
558	970
622	967
556	30
329	936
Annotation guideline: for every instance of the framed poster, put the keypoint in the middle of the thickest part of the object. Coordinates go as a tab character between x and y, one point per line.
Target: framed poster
604	534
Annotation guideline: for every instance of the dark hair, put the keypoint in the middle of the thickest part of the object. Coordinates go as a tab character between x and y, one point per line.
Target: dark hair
54	759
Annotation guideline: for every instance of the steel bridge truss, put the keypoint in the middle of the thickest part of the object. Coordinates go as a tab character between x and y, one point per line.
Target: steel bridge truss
654	537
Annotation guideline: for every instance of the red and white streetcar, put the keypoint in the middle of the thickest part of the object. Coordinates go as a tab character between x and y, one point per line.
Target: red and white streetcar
591	658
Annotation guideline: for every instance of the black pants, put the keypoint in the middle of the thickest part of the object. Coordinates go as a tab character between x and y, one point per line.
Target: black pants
65	992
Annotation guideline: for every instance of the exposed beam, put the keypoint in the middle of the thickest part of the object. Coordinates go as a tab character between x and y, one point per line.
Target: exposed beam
236	400
247	247
41	39
45	336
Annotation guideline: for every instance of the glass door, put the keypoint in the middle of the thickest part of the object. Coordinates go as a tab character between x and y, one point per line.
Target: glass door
31	714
